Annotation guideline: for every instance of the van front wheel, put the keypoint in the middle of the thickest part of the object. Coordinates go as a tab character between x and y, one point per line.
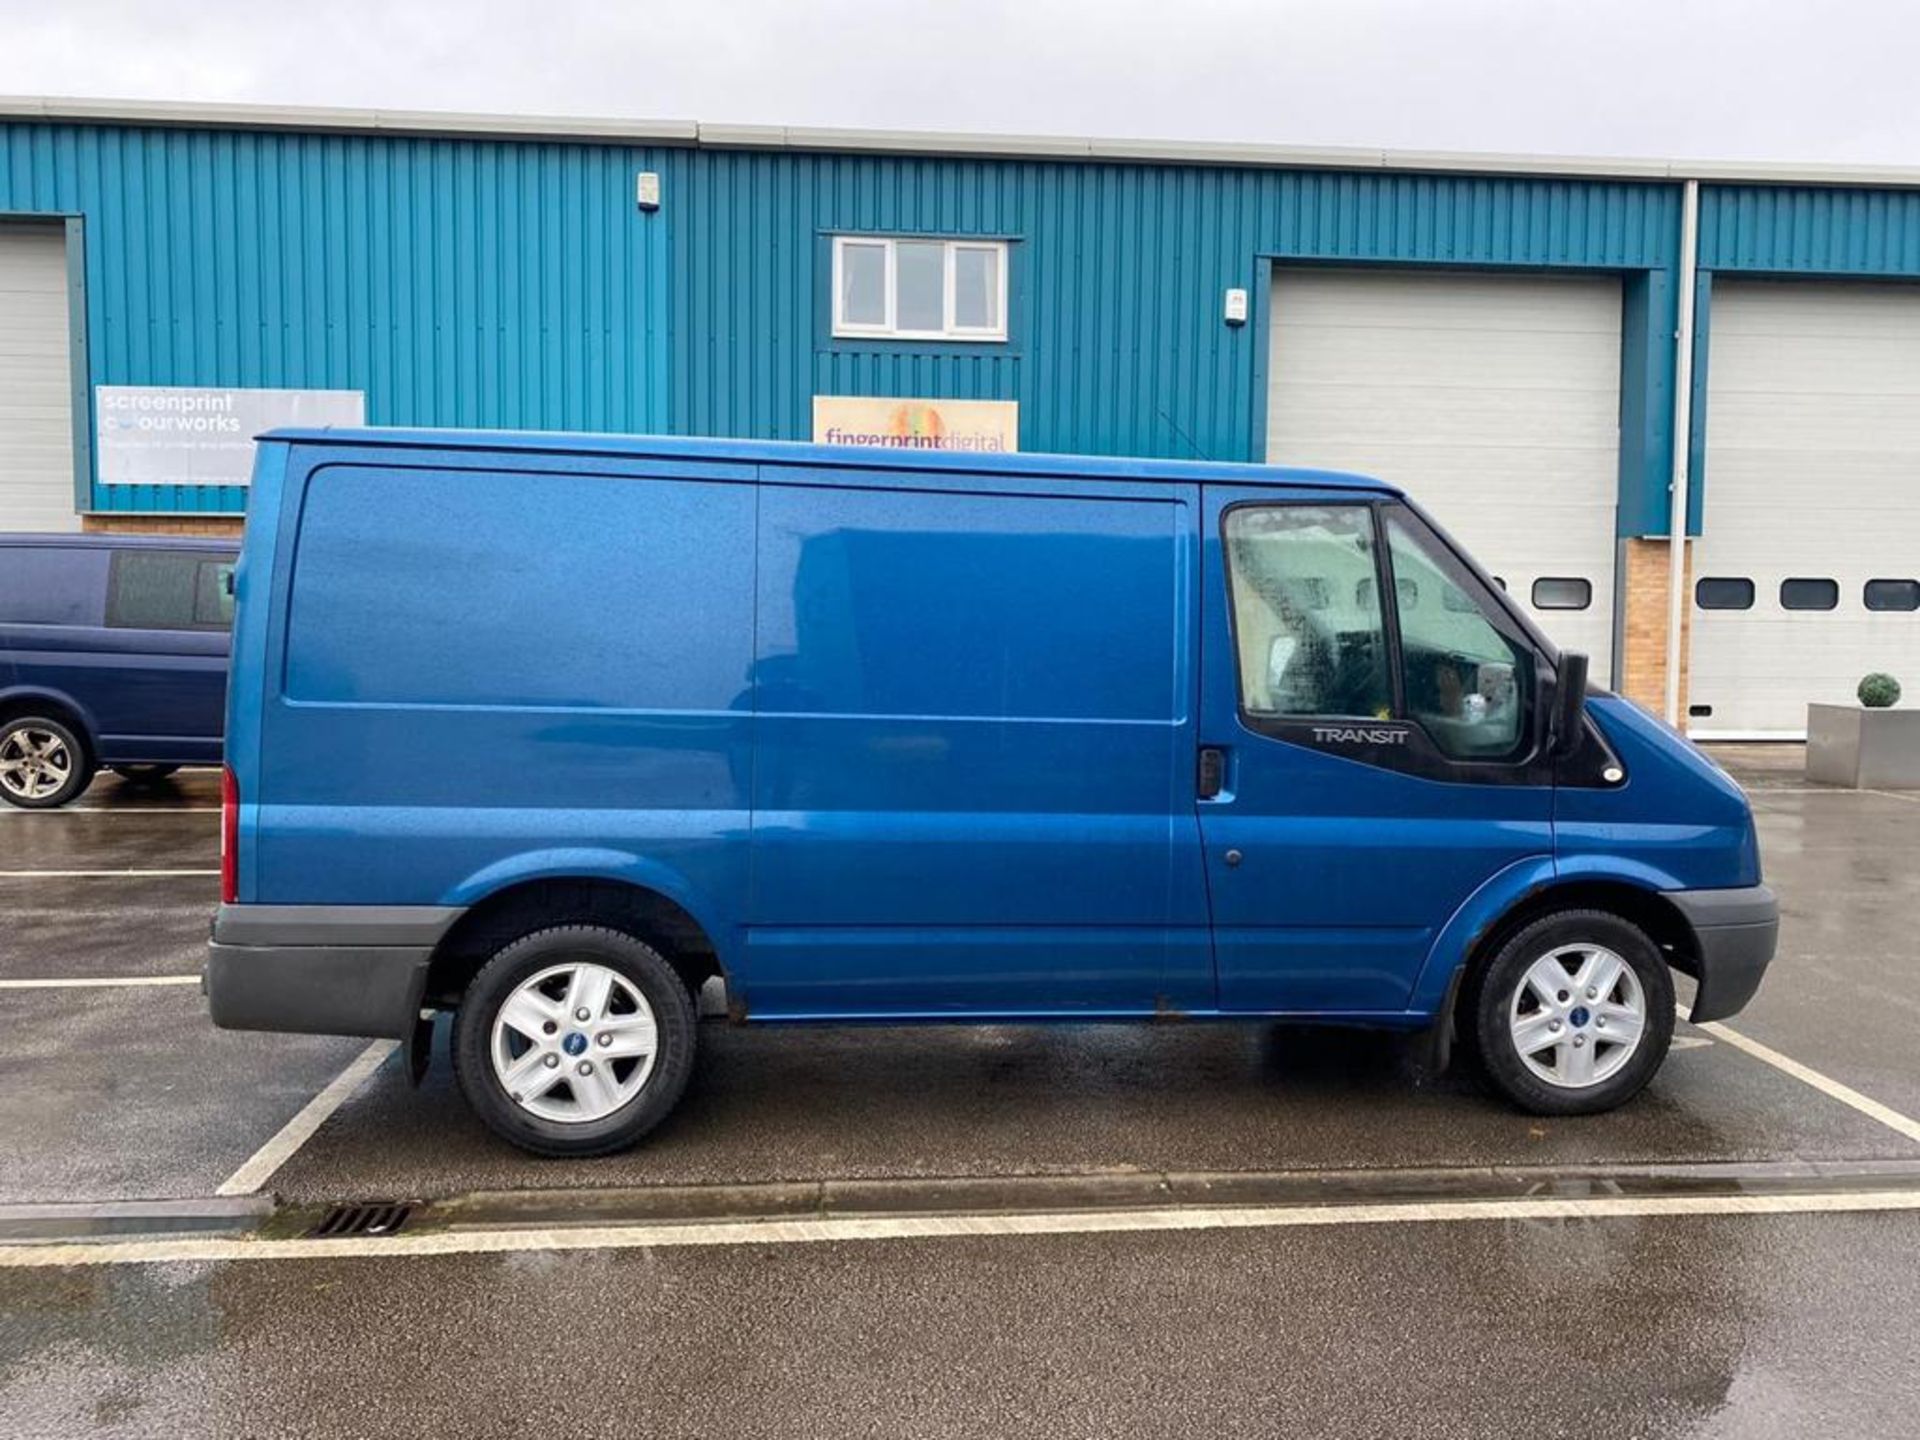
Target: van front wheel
576	1040
1574	1014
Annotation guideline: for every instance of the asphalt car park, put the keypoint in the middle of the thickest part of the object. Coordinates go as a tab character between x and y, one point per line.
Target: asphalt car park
1778	1321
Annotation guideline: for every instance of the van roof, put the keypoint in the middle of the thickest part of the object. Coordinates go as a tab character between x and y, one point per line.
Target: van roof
110	540
792	452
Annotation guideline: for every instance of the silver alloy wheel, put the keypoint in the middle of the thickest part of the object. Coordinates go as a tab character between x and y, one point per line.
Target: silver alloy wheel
34	763
574	1042
1577	1016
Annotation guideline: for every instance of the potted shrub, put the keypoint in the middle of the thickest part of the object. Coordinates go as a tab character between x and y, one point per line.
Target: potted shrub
1869	746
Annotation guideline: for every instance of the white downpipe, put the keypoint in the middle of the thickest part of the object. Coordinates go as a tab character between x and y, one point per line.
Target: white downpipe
1682	445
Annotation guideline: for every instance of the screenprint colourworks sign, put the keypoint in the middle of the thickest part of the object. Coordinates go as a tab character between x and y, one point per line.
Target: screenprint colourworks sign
202	435
870	422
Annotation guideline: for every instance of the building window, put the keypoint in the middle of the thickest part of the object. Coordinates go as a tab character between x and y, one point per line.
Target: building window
1554	592
1724	593
901	289
1892	595
1809	594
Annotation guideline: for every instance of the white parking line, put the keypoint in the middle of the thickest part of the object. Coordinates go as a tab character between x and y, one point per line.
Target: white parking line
1825	1084
261	1166
831	1229
89	983
98	874
17	813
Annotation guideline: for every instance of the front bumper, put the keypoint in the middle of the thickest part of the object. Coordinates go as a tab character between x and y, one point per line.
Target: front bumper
1735	933
322	969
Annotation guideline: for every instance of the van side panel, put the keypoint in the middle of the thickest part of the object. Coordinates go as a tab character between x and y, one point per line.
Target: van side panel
973	791
482	676
142	694
51	603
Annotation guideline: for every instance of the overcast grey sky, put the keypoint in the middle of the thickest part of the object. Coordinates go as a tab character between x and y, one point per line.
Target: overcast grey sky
1705	79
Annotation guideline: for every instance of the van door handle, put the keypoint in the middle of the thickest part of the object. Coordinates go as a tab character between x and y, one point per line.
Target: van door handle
1212	777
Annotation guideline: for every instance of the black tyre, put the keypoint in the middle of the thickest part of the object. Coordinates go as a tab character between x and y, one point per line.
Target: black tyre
1573	1015
143	774
43	764
576	1040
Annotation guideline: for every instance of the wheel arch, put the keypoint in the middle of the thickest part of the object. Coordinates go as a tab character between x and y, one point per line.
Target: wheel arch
526	906
1647	909
55	705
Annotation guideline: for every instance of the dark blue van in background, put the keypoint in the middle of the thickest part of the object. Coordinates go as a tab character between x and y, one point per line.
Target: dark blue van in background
552	731
113	652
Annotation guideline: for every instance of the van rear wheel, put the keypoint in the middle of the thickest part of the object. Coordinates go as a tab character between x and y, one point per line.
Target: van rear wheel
43	764
1573	1015
575	1040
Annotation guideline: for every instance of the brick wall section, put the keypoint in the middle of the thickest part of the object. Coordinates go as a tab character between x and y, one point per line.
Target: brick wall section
1643	666
225	527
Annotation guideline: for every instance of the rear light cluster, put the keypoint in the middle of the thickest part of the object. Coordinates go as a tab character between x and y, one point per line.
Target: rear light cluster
229	837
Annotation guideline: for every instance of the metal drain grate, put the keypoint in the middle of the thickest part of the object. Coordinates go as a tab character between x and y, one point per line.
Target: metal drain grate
369	1217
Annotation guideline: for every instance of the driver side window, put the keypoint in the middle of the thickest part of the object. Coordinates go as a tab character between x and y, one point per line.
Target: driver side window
1466	682
1306	612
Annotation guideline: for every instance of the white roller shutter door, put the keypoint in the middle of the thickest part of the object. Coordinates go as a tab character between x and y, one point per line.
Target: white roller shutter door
36	381
1812	474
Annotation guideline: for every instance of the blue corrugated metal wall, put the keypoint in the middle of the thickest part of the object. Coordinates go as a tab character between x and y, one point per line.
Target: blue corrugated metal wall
1804	230
514	283
456	282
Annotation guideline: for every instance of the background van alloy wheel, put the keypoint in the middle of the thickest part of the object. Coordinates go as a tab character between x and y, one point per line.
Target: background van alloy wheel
1573	1015
42	763
575	1040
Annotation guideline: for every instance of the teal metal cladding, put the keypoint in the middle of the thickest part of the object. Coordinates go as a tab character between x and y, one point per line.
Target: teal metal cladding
1119	272
456	282
514	283
1810	230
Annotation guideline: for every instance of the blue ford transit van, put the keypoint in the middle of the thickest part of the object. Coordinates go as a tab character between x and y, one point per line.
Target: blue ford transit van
113	652
550	732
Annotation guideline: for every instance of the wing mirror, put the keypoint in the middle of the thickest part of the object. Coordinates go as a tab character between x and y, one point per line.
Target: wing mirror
1569	703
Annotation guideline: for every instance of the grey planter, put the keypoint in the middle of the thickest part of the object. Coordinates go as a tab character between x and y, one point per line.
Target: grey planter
1865	749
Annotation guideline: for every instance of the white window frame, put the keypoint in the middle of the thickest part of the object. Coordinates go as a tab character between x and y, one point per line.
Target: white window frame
889	328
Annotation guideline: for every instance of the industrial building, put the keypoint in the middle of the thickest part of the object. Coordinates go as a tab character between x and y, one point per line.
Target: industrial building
1501	335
